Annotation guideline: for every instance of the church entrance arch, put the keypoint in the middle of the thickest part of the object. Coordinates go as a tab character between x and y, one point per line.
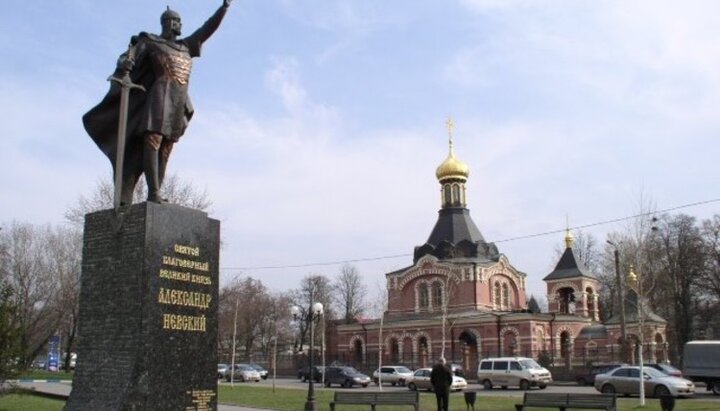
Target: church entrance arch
469	348
565	345
394	351
423	351
407	351
358	351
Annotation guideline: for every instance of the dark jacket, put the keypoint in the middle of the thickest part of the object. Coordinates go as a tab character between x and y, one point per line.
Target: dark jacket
441	378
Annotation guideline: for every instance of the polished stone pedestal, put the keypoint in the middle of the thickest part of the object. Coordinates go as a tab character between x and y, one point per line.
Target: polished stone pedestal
147	337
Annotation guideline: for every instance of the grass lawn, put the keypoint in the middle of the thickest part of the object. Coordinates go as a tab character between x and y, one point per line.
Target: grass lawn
294	399
29	402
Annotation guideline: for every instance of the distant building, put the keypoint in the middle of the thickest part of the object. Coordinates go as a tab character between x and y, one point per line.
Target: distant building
459	276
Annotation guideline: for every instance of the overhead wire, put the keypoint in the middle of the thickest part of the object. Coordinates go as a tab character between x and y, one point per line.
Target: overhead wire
505	240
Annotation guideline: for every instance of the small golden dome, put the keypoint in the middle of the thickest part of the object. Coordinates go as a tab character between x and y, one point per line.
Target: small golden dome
569	238
452	167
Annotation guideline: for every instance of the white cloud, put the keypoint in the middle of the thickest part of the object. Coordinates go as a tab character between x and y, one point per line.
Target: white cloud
561	107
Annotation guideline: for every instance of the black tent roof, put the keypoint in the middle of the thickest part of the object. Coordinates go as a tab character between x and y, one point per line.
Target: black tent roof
568	267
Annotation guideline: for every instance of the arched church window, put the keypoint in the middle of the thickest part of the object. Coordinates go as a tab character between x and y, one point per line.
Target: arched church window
496	294
437	298
456	194
505	296
424	297
447	194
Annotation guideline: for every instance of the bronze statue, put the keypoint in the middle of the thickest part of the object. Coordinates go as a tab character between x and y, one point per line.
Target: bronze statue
147	108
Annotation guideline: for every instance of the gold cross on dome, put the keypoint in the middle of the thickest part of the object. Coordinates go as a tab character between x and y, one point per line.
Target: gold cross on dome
450	126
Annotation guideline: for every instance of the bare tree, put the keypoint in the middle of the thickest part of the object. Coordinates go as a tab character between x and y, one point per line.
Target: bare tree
244	304
10	335
350	293
711	279
313	288
64	248
676	263
380	306
174	189
451	282
275	322
26	268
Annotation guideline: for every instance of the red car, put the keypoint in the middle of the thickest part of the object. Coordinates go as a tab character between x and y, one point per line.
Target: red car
665	368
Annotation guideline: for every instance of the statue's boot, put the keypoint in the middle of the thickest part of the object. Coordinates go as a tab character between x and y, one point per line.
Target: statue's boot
164	156
152	176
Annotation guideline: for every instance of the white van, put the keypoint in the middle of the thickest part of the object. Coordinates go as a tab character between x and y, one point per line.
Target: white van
512	371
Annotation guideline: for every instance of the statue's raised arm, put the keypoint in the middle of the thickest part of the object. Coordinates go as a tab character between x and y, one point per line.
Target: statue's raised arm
199	36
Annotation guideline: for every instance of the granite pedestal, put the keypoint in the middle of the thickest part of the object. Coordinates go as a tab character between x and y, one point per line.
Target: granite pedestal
147	337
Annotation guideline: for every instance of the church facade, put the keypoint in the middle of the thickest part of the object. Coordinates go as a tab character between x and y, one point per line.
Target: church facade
464	300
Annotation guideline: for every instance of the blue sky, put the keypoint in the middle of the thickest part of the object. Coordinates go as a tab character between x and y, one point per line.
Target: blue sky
319	124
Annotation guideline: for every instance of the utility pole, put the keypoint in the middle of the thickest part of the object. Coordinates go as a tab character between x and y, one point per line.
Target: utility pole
621	302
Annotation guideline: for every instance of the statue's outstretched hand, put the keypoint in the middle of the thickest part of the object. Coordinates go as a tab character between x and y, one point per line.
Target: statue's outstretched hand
226	3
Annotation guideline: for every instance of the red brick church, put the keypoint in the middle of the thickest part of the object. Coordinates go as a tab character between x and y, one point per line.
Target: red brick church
459	279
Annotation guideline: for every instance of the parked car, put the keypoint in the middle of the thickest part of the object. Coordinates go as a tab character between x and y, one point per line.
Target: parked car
222	370
701	363
346	377
588	378
243	373
392	374
522	372
262	371
420	380
39	363
626	380
457	369
665	368
318	371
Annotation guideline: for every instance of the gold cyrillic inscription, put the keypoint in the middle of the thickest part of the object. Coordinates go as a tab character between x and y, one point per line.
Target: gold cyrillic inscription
184	322
184	263
201	400
184	298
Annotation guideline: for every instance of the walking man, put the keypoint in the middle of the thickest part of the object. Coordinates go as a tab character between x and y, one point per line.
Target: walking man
441	378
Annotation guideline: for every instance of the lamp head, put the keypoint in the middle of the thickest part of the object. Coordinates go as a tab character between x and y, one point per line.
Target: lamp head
317	309
295	311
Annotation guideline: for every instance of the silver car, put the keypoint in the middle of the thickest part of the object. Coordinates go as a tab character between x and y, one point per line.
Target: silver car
222	370
392	374
626	380
242	373
421	381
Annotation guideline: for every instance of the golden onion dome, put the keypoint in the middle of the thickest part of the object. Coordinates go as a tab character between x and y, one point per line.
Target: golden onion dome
452	167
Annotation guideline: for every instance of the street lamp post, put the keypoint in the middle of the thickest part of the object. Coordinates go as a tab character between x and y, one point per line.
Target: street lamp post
315	312
635	282
232	361
621	302
274	358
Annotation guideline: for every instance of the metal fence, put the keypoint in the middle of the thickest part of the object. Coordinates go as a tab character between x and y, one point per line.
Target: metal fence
288	364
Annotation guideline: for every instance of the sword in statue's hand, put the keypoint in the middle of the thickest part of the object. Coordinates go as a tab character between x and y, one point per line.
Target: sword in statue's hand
126	85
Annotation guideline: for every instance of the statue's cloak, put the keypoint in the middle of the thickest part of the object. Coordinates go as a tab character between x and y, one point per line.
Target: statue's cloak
102	121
